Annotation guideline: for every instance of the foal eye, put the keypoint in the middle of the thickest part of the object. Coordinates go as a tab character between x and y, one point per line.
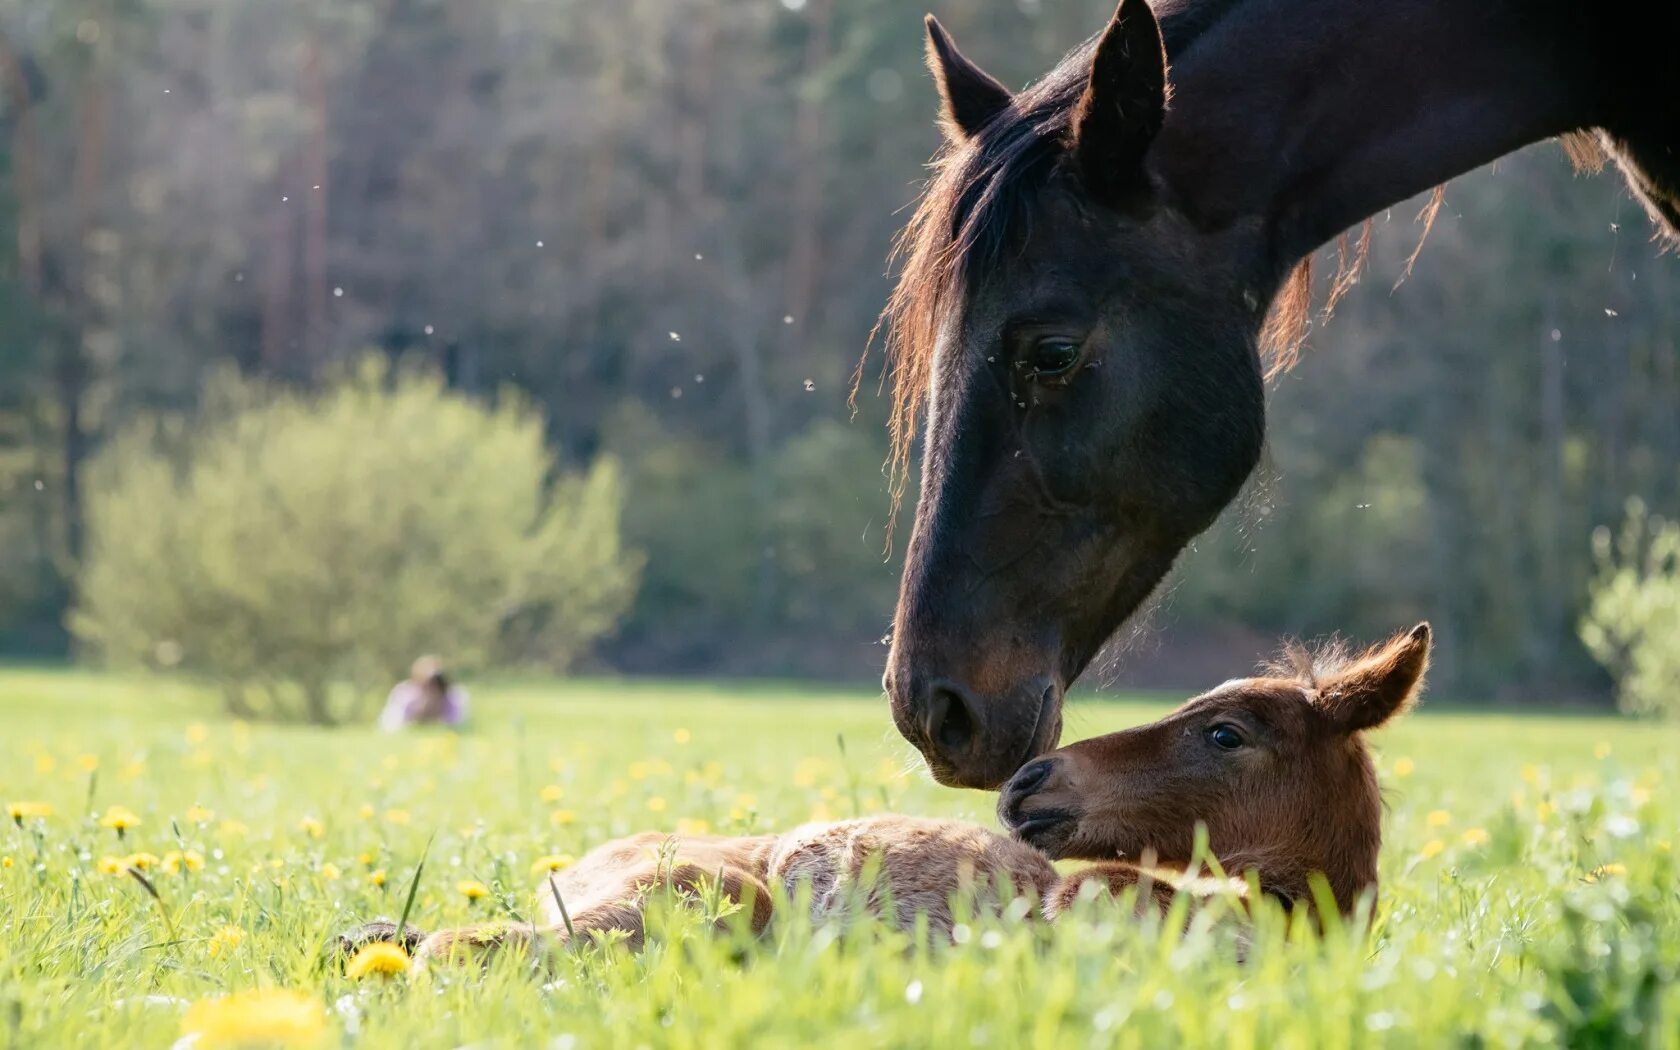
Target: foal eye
1226	737
1052	356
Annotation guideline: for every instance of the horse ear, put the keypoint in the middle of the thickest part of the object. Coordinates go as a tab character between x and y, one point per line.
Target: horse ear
969	96
1124	102
1378	685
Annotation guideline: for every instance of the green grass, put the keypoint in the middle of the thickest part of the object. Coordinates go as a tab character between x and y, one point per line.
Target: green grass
1491	929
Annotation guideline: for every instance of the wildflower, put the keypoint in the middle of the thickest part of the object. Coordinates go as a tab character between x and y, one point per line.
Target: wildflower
746	801
640	769
681	736
264	1017
365	812
365	858
197	733
552	793
562	817
551	862
140	861
177	861
1438	818
330	872
1475	837
1531	773
22	811
1543	811
1639	795
311	827
472	889
1403	767
235	828
109	865
224	941
197	814
1605	871
688	826
119	819
377	876
656	804
132	770
397	816
45	763
1601	750
87	763
379	959
1432	848
5	862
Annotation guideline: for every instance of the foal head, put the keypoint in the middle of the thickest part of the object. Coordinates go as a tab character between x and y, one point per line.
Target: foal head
1275	767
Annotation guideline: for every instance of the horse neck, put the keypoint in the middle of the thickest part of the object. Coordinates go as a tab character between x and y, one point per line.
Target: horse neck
1302	117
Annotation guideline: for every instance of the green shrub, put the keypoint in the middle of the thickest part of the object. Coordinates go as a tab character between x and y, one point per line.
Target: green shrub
1632	624
298	547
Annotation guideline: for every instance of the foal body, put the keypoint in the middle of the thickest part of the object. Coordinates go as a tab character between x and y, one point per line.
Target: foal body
1274	767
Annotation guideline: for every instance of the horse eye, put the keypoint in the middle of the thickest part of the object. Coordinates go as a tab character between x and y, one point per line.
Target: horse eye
1226	737
1053	356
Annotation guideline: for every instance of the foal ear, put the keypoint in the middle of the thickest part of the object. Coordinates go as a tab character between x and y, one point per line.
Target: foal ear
969	96
1378	685
1124	102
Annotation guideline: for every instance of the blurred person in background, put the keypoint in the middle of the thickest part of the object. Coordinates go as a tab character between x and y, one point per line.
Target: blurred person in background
426	698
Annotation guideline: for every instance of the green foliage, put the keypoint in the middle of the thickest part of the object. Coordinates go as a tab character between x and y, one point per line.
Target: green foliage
1632	623
1527	887
289	544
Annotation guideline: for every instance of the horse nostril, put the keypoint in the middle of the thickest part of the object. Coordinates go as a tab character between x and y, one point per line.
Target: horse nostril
1030	779
950	721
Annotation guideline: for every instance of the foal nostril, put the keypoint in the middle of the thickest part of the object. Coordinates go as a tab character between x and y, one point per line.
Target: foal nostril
950	718
1030	779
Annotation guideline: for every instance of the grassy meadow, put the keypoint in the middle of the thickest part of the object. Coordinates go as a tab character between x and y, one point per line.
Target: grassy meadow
1529	893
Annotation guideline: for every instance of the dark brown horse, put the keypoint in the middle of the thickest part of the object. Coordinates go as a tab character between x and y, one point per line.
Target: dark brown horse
1105	264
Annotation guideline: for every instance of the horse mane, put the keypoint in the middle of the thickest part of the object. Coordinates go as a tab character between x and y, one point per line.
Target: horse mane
976	200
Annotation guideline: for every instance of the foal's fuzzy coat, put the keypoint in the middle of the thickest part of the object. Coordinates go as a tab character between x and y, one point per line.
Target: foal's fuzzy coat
1274	767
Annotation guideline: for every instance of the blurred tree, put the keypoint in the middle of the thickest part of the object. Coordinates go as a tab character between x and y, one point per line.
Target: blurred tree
1632	623
295	546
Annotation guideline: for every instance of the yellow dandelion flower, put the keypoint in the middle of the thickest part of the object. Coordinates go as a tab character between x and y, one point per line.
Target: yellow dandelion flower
1531	773
562	817
1403	767
312	827
177	861
45	763
552	793
1432	848
377	876
656	804
140	861
132	770
746	801
552	862
197	733
1605	871
365	811
1601	750
119	819
330	872
1475	837
1438	818
472	889
640	769
1543	811
87	763
22	811
366	858
1639	795
197	814
109	865
398	816
379	959
234	828
224	941
681	736
821	813
688	826
5	862
261	1017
